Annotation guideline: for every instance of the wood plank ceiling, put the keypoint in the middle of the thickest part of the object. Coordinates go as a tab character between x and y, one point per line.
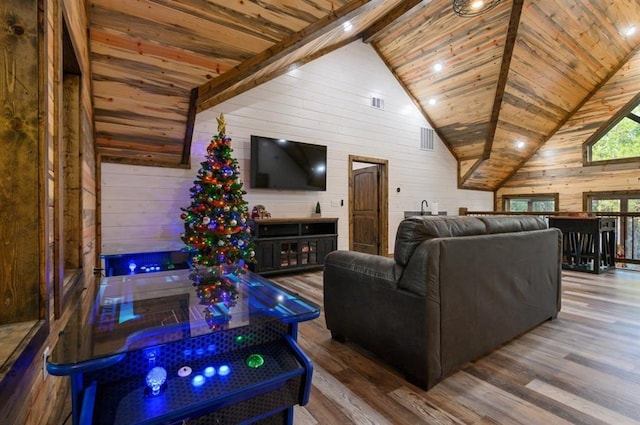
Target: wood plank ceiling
510	79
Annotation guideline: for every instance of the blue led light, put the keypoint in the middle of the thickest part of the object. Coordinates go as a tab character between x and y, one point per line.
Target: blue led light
197	381
211	347
155	379
199	351
187	353
209	371
224	370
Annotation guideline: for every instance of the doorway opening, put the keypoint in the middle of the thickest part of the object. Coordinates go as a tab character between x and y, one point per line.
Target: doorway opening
368	205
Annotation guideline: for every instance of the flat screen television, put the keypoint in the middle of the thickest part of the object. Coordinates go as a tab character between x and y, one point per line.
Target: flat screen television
287	165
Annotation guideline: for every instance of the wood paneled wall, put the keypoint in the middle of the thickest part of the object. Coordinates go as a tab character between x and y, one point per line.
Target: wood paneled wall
558	166
19	164
28	146
323	102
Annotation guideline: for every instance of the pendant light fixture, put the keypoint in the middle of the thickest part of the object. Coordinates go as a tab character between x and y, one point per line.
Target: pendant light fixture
469	8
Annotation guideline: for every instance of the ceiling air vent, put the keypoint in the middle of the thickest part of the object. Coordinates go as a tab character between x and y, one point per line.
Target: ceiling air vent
426	139
377	103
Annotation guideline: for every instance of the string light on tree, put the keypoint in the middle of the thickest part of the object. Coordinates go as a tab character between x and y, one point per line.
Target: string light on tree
215	224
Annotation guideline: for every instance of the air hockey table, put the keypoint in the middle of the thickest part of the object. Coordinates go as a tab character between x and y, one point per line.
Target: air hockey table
158	349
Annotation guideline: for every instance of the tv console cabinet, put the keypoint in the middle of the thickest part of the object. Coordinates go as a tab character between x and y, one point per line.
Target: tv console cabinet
293	244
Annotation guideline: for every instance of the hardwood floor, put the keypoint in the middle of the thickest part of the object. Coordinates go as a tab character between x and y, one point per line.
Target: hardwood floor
583	368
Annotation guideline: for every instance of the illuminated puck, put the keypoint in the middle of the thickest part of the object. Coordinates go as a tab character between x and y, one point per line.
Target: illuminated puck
197	380
184	371
255	361
224	370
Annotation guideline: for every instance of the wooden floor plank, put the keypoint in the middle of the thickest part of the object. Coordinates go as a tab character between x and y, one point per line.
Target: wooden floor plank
358	410
593	409
583	368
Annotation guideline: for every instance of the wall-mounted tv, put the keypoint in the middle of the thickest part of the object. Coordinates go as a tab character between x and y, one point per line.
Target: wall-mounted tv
287	165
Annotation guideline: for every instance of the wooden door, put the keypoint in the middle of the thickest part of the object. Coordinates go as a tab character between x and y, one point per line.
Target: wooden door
366	209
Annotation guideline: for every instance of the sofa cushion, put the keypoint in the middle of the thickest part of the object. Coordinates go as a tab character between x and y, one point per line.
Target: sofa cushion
508	224
413	231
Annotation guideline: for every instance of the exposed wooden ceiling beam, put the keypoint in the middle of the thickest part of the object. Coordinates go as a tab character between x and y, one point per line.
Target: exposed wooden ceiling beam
191	121
256	81
512	33
388	19
244	70
463	178
610	75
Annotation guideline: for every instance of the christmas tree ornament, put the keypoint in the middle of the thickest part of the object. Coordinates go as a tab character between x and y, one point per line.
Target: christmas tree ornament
217	211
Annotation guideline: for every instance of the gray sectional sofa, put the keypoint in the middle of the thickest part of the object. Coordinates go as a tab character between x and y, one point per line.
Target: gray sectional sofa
456	288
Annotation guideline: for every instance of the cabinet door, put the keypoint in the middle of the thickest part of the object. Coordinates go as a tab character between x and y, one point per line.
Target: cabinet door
267	256
308	252
325	246
288	254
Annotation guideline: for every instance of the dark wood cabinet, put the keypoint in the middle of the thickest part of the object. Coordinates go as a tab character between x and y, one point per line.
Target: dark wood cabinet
589	243
293	244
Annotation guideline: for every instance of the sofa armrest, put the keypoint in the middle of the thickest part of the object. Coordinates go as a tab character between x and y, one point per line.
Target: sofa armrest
363	304
367	268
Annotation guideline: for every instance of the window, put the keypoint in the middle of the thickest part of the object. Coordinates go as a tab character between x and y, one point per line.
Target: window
628	231
68	179
530	203
619	140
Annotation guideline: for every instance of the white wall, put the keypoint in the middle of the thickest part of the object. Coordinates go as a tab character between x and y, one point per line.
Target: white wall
324	102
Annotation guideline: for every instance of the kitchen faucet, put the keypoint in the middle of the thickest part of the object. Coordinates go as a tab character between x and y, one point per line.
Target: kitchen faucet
423	205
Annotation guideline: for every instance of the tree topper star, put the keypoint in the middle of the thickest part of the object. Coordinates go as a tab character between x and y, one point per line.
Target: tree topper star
222	124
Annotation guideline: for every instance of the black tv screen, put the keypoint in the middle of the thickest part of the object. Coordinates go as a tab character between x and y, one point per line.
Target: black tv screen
287	165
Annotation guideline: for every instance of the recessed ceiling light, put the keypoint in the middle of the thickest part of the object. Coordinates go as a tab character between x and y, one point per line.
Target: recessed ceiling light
630	31
520	144
438	67
347	26
477	4
432	101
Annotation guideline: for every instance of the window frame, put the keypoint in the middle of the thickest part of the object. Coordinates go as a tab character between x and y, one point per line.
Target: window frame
622	225
532	197
68	256
603	130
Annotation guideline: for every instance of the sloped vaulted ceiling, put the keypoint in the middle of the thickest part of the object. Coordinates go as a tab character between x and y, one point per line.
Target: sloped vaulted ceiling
510	79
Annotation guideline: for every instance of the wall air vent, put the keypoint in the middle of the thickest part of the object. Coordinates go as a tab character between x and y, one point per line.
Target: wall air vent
377	102
426	139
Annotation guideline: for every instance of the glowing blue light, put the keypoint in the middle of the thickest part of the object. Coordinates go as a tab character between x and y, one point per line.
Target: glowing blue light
187	353
211	347
155	379
199	351
132	266
197	381
224	370
209	371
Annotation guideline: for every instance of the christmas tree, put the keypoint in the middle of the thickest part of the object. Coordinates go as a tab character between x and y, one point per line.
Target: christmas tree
216	224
